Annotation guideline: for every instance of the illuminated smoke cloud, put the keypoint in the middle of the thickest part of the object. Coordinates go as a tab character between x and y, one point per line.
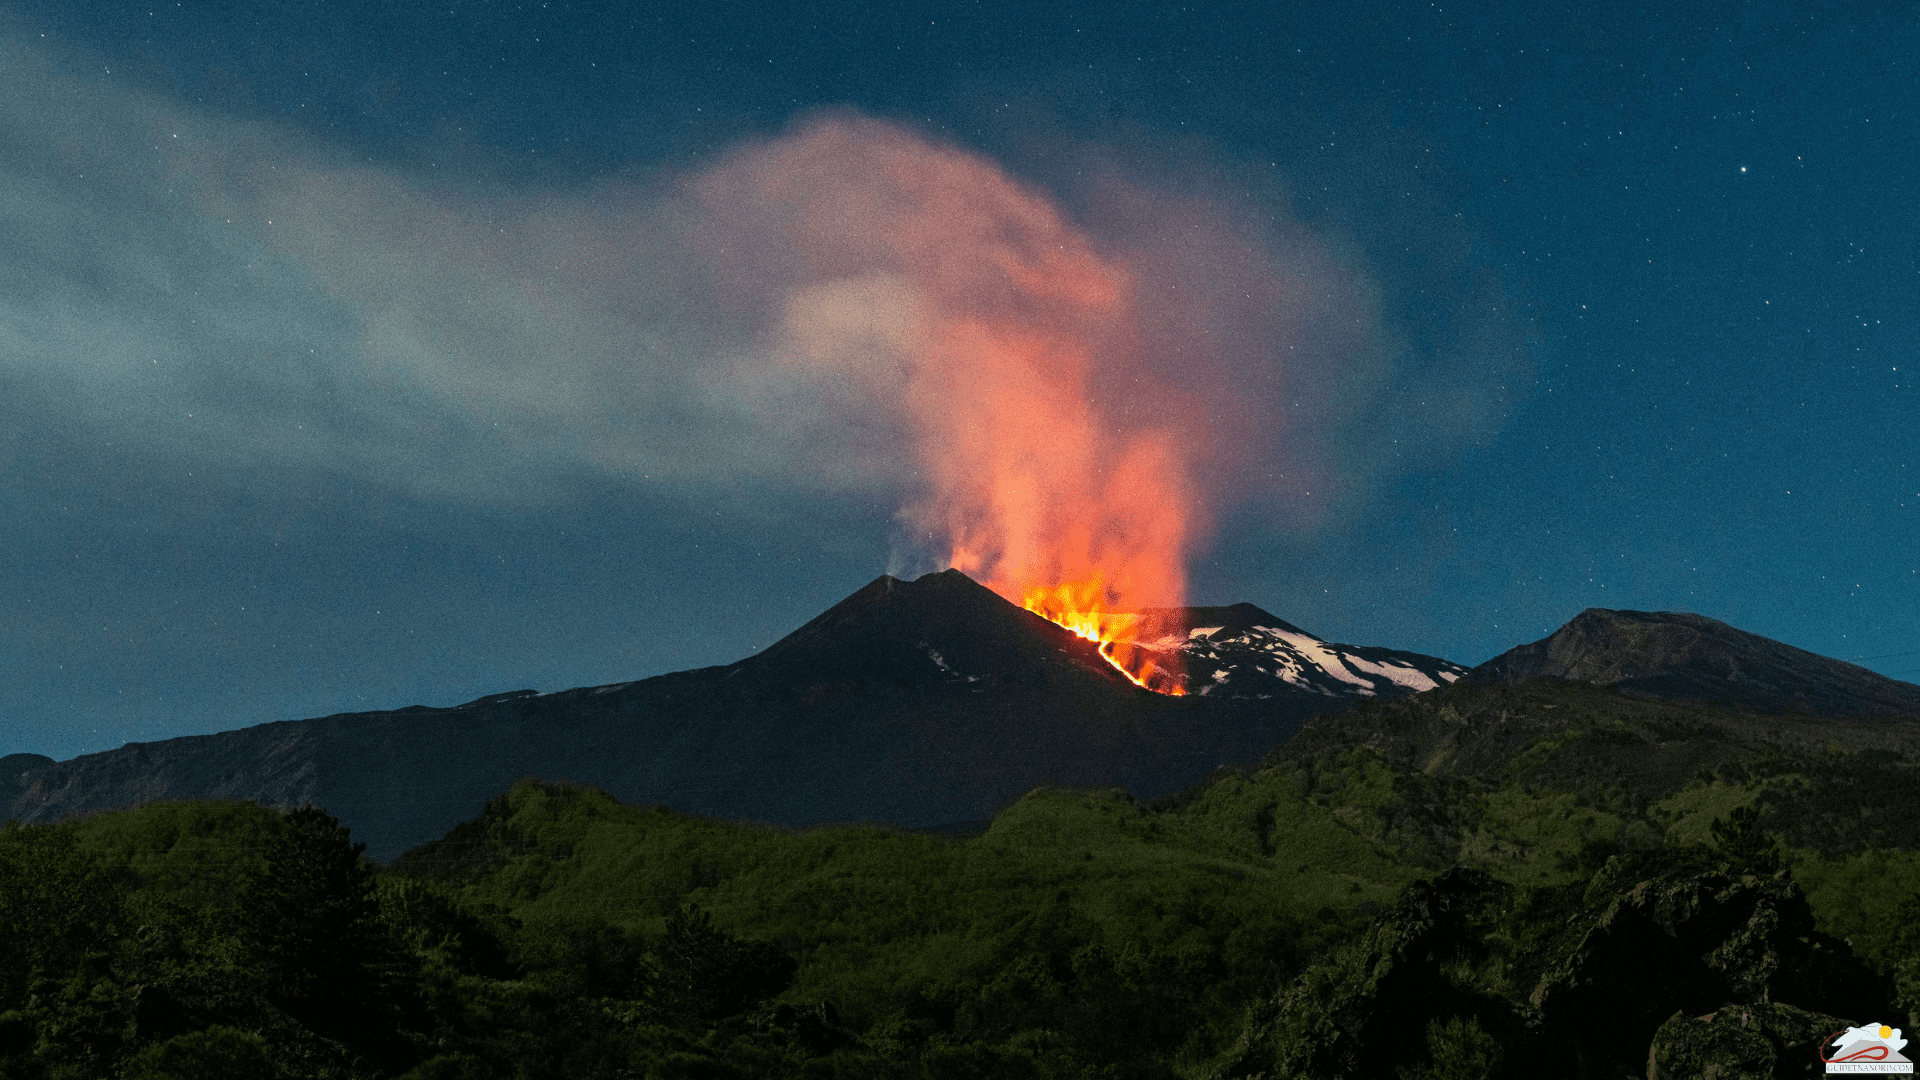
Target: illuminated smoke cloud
849	308
920	282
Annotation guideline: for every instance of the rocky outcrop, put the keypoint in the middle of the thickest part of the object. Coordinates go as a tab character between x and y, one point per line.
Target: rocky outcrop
1361	1014
1758	1041
1677	972
1690	943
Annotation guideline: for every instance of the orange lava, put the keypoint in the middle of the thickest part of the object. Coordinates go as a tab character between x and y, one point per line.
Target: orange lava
1074	607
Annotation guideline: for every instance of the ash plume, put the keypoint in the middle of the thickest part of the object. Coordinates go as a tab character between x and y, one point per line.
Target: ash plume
850	307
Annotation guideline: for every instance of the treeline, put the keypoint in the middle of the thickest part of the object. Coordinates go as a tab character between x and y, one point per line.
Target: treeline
211	940
208	941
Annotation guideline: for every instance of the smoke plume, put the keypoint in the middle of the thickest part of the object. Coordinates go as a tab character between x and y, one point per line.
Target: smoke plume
848	308
919	283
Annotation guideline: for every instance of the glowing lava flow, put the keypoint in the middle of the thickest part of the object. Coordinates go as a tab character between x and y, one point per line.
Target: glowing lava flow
1075	608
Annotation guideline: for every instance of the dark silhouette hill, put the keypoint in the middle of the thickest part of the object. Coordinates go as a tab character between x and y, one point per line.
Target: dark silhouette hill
1683	657
922	704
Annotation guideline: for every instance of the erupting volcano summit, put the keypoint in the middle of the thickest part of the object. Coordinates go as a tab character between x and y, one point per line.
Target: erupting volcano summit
917	703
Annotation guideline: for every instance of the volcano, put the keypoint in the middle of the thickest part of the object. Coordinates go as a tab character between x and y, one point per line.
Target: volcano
1684	657
929	703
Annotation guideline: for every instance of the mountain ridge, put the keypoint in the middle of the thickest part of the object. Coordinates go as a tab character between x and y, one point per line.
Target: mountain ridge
918	704
1682	656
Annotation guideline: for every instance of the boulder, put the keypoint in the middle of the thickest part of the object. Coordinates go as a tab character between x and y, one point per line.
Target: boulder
1759	1041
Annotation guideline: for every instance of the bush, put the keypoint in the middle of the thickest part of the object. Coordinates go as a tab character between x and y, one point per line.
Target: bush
1457	1050
216	1053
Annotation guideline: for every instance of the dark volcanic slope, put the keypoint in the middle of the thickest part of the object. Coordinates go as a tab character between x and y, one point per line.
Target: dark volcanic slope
1686	657
919	703
944	629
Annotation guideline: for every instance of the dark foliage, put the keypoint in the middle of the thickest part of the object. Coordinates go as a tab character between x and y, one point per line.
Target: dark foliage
699	973
1852	801
583	954
439	930
471	850
312	930
56	907
1486	881
1747	848
216	1052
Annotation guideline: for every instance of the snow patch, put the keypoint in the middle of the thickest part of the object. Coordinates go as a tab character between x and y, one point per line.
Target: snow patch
934	655
1318	654
1400	673
1287	634
1301	660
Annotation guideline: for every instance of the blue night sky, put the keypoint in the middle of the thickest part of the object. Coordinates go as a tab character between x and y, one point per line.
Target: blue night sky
347	361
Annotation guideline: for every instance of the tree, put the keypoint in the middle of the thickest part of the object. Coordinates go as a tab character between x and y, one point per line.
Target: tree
311	924
444	933
56	906
1740	839
699	973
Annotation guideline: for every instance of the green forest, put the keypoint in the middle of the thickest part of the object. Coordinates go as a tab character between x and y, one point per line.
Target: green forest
1543	880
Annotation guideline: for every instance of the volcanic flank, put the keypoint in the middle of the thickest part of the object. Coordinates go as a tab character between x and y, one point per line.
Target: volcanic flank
925	703
941	630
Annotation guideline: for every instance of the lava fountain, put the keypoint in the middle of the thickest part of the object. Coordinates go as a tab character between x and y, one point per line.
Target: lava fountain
1054	504
1074	607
